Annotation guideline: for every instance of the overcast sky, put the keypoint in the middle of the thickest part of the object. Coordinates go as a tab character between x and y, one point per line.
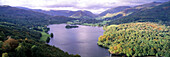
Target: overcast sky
95	6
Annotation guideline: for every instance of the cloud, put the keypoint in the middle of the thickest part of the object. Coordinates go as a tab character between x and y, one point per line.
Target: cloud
96	6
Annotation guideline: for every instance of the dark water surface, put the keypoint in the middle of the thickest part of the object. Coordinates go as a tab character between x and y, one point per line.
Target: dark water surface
82	40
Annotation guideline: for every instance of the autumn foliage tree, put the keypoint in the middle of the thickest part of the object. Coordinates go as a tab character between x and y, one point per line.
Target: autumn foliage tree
137	39
10	44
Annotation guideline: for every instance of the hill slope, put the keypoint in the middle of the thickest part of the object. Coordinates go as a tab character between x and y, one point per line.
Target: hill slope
114	10
20	33
22	17
83	14
54	12
28	17
67	13
160	14
128	11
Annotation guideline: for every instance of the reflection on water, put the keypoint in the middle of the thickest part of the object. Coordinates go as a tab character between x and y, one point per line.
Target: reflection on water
82	40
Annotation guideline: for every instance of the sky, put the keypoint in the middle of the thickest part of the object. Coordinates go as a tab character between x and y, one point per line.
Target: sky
95	6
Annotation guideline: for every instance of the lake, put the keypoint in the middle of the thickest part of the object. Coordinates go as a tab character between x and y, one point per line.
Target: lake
81	40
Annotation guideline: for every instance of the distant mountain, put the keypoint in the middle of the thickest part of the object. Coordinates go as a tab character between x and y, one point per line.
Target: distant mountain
51	12
55	12
83	14
66	13
20	16
23	8
131	10
14	19
148	5
140	7
28	17
114	10
159	14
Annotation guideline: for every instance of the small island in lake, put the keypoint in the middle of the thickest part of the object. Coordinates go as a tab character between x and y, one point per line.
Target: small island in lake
71	26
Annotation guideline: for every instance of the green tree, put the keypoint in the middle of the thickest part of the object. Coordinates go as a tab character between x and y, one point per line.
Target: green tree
51	35
48	40
5	55
21	50
2	35
36	51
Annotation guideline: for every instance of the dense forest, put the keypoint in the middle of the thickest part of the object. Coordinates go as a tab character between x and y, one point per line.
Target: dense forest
136	39
23	33
30	48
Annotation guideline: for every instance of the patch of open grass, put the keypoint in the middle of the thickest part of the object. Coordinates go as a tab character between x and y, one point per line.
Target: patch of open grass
44	36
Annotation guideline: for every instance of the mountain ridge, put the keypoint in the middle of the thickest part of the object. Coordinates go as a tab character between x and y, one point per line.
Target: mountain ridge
159	14
66	13
114	10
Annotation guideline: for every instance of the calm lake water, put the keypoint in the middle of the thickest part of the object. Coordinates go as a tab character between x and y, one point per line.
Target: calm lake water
82	40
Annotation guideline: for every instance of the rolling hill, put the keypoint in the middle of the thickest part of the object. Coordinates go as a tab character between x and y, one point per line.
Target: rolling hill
20	33
114	10
127	11
28	17
159	14
83	14
66	13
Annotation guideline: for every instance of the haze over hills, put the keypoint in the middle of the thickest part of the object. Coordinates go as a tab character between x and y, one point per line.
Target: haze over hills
83	14
125	10
55	12
117	18
66	13
28	17
159	14
113	12
148	5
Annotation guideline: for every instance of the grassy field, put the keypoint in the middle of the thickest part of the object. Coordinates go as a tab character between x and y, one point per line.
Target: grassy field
44	36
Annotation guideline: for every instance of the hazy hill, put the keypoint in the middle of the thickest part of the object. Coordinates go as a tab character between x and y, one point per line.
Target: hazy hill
66	13
28	17
114	10
83	14
109	14
20	20
128	11
22	17
160	14
148	5
55	12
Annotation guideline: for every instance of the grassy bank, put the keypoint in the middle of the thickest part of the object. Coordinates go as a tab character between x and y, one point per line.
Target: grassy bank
44	36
